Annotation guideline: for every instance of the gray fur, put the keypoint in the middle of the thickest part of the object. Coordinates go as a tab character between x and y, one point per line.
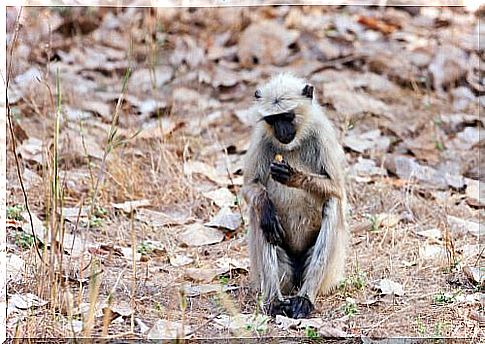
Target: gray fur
305	215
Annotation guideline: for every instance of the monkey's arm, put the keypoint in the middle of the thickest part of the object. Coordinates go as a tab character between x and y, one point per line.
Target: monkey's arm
263	208
318	184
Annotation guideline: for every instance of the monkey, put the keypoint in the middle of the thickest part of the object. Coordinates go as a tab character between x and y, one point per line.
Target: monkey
294	187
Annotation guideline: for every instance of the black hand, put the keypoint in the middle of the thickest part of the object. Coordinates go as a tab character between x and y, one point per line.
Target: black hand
281	172
272	230
281	307
301	307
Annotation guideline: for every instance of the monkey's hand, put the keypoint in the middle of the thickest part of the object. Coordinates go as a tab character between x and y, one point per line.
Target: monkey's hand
270	225
281	172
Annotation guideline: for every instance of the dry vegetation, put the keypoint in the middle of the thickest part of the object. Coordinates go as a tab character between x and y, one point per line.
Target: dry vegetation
110	105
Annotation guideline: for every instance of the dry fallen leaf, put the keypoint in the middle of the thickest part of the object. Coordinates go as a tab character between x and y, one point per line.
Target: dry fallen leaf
159	219
26	301
475	191
408	169
203	289
31	150
366	141
367	168
203	275
387	220
228	263
222	197
193	167
475	275
243	322
15	268
265	42
148	79
179	260
226	219
388	287
320	324
198	235
433	252
164	329
129	206
458	225
433	233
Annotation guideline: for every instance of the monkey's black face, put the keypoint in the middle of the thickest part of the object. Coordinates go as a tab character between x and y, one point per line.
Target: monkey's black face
283	126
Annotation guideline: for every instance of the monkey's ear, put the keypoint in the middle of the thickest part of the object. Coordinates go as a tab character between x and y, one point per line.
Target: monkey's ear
307	91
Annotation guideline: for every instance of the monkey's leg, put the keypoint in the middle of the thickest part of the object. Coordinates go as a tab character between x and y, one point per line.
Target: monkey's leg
312	183
270	270
325	265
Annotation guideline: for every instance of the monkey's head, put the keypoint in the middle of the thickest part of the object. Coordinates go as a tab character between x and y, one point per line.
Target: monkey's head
283	104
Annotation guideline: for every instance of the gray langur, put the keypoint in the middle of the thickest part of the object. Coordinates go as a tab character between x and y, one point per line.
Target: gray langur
294	187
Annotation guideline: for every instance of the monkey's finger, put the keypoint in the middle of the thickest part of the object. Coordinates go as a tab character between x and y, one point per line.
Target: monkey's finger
280	165
282	171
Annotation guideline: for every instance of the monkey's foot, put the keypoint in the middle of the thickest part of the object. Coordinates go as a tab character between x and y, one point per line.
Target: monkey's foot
301	307
281	307
296	307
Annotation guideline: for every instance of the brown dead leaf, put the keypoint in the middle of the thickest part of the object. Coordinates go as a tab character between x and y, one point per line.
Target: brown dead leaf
449	64
199	235
160	219
187	51
367	168
15	268
265	42
226	219
199	167
377	24
204	289
458	225
475	191
150	79
31	179
371	140
31	150
387	220
474	274
222	197
238	323
179	260
165	329
388	287
101	108
407	168
350	102
203	275
129	206
26	301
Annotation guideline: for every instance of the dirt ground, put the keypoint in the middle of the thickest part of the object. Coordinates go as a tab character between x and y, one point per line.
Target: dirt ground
112	105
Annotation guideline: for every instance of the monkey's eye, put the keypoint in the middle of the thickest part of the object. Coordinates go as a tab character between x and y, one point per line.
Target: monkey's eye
257	94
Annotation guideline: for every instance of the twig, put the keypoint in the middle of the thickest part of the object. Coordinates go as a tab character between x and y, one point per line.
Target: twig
337	61
203	324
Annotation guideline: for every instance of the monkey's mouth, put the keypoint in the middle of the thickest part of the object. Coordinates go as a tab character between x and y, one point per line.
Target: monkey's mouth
283	127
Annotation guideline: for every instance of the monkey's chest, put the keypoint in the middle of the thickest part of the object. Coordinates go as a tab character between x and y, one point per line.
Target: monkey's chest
299	212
